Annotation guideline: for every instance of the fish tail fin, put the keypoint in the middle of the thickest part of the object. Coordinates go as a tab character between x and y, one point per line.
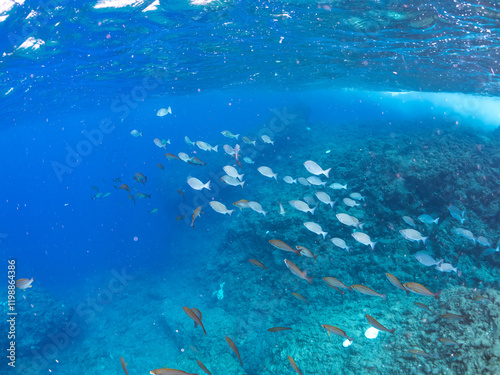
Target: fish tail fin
360	226
392	330
424	239
436	296
314	209
207	185
230	212
169	110
437	220
327	172
384	296
236	136
310	279
215	148
242	183
324	234
439	263
275	176
316	256
407	292
372	245
140	134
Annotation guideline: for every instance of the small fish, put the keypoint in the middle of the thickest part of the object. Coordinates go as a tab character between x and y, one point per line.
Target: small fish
159	143
324	198
220	208
283	246
337	186
394	281
142	195
465	233
282	210
232	181
106	195
232	172
350	202
483	241
425	259
299	296
453	317
160	165
408	220
481	299
304	251
297	272
181	194
368	291
332	282
427	219
241	204
203	367
168	155
377	325
247	160
164	111
315	169
456	213
117	179
196	161
228	134
179	218
154	211
188	141
228	150
446	267
302	206
357	196
257	207
339	242
131	197
255	262
124	187
491	251
96	196
279	329
448	342
422	306
234	348
349	220
421	353
95	188
337	331
170	371
413	235
248	141
195	318
267	139
364	239
316	181
294	365
136	133
182	156
124	365
303	181
268	172
289	180
422	290
196	213
24	283
197	184
315	228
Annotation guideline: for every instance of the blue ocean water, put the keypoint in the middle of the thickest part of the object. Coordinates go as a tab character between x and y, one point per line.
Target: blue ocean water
401	102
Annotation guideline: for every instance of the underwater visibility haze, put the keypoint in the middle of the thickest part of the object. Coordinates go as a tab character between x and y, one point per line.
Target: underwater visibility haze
250	187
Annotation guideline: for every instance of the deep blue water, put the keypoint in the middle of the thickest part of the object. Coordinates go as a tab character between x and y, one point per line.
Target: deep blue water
375	76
